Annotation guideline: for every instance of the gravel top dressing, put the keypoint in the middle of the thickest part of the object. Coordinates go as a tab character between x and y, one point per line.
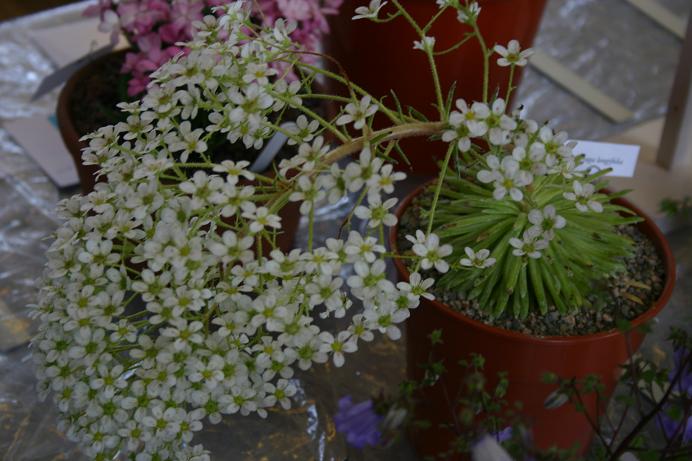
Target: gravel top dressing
623	296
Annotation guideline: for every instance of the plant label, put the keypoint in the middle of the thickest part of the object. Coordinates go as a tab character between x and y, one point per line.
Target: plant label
622	158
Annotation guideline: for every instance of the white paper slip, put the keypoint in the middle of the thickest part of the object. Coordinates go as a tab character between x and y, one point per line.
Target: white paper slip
66	43
41	140
622	158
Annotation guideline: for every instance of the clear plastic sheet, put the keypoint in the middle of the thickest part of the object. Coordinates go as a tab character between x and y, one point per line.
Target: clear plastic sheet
608	42
613	46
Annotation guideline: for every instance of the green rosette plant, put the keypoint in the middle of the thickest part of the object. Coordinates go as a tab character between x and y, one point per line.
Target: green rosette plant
528	228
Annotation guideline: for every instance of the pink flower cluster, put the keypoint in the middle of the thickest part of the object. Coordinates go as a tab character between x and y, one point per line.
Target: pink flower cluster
310	15
153	27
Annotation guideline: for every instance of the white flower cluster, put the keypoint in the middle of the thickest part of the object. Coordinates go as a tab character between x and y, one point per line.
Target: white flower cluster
534	152
165	301
523	158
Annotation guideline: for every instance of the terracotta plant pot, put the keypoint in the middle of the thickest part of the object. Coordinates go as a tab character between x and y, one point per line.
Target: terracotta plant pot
290	217
380	57
525	358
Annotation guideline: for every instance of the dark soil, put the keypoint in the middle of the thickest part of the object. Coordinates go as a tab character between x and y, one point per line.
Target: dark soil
610	298
94	99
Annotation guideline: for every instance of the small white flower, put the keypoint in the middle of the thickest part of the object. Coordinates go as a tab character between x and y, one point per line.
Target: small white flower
358	174
506	177
234	170
582	196
468	14
478	259
186	141
302	130
369	280
357	113
530	244
512	55
344	342
376	212
384	180
461	128
499	124
426	44
308	193
431	252
417	286
369	12
261	218
359	248
547	221
493	174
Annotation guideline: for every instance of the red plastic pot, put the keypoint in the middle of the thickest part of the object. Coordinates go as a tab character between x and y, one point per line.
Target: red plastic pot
380	57
525	358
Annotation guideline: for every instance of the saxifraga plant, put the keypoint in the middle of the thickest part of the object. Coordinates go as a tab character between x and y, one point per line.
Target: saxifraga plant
530	231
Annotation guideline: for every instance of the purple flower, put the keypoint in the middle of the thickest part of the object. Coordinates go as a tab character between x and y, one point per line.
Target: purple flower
685	383
358	422
674	428
503	435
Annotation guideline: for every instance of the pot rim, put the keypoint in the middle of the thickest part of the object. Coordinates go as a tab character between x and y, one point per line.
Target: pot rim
647	226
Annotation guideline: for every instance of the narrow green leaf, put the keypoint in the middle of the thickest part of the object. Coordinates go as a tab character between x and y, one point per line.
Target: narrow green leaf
537	283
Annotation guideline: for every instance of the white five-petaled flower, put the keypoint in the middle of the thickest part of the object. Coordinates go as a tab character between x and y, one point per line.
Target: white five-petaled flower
234	170
377	212
512	55
357	113
425	44
547	221
357	248
466	123
308	193
531	243
474	117
417	286
505	176
369	12
261	218
344	342
301	129
499	124
429	248
582	194
187	141
478	259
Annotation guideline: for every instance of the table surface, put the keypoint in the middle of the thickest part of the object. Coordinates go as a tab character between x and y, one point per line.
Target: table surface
631	58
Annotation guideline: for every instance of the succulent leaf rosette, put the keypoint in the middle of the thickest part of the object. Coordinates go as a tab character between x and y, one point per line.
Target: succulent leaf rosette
529	226
166	302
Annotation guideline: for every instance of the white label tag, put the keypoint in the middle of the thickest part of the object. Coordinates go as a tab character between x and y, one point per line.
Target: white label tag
41	140
66	43
622	158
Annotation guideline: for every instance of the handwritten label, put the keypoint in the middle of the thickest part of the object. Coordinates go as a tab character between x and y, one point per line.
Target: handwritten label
622	158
